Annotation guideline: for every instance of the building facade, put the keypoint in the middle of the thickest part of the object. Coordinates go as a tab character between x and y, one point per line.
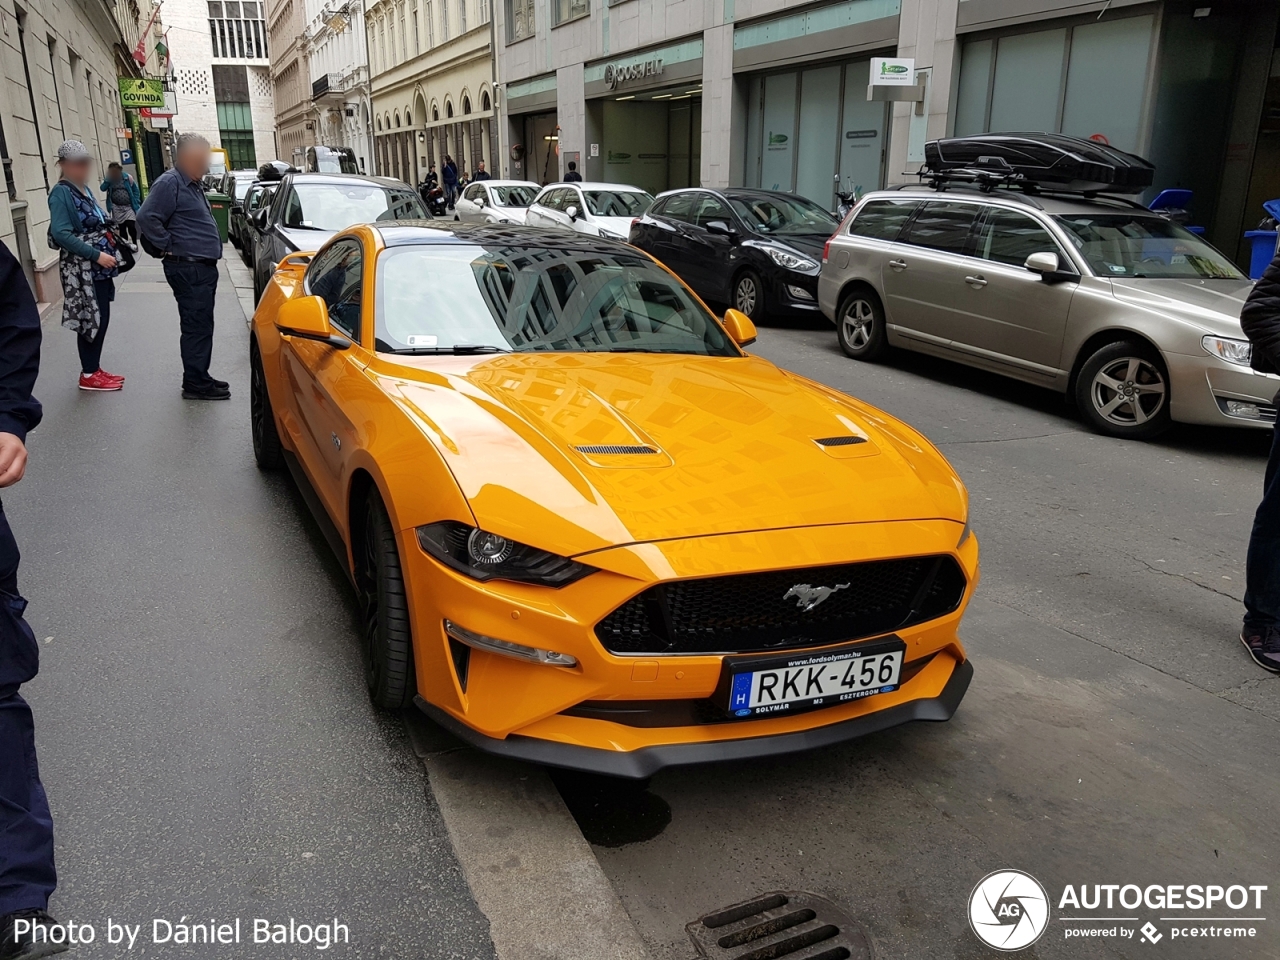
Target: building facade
221	76
774	93
432	79
339	80
60	60
290	78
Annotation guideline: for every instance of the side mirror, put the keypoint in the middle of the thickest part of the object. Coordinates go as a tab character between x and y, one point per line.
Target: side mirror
260	218
740	327
721	228
1049	267
481	200
572	211
307	318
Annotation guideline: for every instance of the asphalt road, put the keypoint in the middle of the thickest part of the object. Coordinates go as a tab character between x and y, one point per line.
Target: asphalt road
1116	731
203	730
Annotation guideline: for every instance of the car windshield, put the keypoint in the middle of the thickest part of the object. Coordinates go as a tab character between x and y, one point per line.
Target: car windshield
617	203
516	196
337	205
1144	246
783	216
526	298
242	188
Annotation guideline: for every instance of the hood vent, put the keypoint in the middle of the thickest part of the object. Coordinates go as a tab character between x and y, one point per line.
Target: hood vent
839	441
611	448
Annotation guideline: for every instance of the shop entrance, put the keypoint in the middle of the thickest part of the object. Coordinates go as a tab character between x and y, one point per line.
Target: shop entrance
653	140
540	160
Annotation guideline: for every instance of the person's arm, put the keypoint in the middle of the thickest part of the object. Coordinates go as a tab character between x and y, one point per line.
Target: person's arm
105	187
154	214
19	364
63	221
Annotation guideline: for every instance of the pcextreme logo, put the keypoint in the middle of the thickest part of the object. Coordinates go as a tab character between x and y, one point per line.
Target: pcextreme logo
1009	910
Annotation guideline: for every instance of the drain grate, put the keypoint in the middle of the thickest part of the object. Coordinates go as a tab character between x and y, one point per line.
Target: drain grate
781	926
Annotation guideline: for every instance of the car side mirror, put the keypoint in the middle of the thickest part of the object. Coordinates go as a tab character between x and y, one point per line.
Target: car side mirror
1049	267
260	218
739	327
480	200
721	228
572	211
307	318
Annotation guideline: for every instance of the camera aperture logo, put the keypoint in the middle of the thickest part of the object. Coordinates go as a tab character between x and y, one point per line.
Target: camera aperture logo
1009	910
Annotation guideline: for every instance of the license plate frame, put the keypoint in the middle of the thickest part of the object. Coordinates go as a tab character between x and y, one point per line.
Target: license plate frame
731	687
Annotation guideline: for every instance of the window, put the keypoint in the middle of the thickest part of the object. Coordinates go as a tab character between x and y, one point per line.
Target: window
404	37
1007	236
565	10
783	216
237	30
473	192
382	44
617	203
484	11
520	21
444	21
462	16
417	36
1144	246
336	278
709	208
942	225
882	219
431	29
336	205
679	207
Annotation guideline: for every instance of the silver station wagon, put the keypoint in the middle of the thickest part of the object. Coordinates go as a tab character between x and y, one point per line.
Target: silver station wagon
1134	316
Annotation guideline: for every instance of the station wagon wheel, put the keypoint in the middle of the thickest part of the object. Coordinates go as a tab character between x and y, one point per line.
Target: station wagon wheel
388	642
262	420
1123	390
860	325
748	295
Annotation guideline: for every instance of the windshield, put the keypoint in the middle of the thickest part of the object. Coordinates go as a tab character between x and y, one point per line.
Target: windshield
617	203
338	205
513	196
1140	245
503	297
783	216
242	188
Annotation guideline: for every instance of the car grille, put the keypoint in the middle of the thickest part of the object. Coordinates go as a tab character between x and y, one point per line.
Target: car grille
767	611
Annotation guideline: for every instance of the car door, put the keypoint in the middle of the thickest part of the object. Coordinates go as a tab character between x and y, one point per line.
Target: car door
924	277
271	246
466	208
1017	315
540	210
667	240
711	255
324	378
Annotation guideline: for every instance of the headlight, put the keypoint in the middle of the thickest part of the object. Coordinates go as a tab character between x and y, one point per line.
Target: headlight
790	261
1232	351
482	555
611	235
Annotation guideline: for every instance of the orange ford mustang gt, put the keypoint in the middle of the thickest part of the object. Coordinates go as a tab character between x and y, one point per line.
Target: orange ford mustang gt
585	528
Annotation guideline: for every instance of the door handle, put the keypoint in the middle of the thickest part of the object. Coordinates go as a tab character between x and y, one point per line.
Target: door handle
898	264
976	281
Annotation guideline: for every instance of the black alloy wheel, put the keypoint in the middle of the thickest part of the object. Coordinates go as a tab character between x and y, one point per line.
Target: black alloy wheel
267	450
384	608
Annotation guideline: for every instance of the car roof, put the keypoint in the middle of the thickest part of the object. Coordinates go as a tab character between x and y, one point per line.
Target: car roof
403	233
509	183
346	177
597	185
1054	204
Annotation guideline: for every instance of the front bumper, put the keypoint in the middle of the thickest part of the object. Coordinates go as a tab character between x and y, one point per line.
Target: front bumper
1202	386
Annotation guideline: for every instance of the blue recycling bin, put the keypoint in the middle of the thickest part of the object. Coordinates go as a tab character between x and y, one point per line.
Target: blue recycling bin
1263	250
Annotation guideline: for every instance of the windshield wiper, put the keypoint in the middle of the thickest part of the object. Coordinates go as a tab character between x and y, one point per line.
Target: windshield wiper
307	226
458	349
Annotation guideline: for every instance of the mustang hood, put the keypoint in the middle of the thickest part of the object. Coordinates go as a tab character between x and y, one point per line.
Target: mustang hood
575	452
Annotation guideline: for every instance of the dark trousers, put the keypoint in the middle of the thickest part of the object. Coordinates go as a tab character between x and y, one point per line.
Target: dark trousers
194	286
1262	569
91	347
27	877
128	229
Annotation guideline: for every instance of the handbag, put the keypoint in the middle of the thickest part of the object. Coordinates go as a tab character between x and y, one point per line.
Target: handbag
125	260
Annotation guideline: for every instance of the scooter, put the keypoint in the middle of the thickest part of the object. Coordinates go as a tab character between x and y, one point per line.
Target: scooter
433	196
847	201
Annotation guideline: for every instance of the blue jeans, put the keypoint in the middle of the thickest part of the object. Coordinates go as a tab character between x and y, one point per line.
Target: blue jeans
27	875
1262	569
194	286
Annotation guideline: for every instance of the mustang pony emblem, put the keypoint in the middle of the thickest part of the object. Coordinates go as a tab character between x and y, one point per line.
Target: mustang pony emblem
808	597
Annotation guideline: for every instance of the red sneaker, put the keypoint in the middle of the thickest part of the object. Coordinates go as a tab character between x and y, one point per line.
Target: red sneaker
99	381
111	376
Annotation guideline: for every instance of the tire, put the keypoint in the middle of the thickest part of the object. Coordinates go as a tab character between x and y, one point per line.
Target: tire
748	291
860	325
262	419
388	641
1122	390
257	288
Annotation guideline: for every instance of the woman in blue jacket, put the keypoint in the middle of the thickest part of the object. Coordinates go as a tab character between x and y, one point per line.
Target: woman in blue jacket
86	262
123	200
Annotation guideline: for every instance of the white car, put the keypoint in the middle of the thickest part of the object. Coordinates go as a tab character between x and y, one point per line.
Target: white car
495	201
596	209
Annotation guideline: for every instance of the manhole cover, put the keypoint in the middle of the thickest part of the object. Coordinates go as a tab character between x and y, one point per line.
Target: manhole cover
781	926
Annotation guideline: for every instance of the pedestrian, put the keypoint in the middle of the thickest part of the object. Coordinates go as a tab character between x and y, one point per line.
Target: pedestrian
1260	320
573	176
450	176
176	218
27	875
481	172
86	263
123	201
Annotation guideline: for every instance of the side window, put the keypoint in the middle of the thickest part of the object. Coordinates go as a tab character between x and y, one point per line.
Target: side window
942	225
572	199
1010	237
882	219
710	208
680	207
550	199
472	192
335	277
292	215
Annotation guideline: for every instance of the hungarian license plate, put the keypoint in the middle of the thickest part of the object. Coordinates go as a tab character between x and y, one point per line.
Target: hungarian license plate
763	686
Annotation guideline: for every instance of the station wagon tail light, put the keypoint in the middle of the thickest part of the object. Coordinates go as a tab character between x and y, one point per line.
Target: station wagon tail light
483	556
826	248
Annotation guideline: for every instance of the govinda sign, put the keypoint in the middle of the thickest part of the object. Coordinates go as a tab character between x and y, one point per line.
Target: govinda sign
139	92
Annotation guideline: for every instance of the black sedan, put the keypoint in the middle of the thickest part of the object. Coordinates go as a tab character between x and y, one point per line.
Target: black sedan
309	208
757	250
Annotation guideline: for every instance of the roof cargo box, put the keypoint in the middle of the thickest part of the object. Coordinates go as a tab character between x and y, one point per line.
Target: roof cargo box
1051	160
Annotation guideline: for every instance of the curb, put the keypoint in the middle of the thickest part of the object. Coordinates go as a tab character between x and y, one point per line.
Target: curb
526	862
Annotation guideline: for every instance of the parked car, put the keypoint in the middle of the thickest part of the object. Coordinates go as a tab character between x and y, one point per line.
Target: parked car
1129	313
758	250
236	186
551	473
259	196
226	184
495	201
308	208
596	209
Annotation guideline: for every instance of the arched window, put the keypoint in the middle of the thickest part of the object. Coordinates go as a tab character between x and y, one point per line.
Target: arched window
435	113
448	109
466	105
379	123
484	101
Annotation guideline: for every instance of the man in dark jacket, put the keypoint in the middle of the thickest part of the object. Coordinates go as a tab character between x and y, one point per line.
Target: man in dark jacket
1260	319
573	176
27	877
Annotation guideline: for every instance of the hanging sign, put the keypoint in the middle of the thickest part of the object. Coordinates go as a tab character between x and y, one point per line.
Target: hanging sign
893	72
139	92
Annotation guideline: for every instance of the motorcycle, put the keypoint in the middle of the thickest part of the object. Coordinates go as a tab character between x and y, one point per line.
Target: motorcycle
433	196
847	201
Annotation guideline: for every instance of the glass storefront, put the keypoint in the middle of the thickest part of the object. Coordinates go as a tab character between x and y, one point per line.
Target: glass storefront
825	108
